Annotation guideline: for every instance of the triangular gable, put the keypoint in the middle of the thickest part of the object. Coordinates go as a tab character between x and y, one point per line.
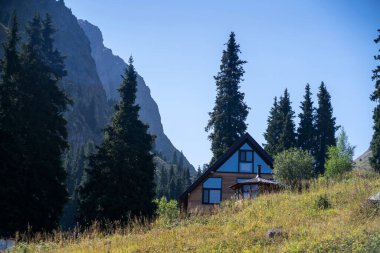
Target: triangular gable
231	164
247	142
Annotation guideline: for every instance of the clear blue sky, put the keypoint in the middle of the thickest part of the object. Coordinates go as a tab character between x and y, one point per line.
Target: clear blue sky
177	46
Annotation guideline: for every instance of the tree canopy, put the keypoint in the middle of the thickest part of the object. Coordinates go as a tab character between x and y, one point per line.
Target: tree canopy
227	120
120	176
375	96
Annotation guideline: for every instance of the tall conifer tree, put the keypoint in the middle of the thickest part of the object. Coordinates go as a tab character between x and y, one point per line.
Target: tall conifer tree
375	142
11	189
325	128
274	127
44	133
120	177
306	129
39	132
280	134
287	136
227	120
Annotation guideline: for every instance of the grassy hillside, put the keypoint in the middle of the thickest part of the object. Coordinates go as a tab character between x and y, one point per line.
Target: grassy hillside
362	162
350	224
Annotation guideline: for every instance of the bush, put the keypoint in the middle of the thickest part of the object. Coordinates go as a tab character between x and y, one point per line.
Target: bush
292	166
322	202
337	163
339	158
167	211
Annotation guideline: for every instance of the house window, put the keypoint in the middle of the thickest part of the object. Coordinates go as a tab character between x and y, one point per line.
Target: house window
212	191
245	161
246	156
248	191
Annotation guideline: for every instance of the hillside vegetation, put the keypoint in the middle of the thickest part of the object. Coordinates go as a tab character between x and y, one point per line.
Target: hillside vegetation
329	217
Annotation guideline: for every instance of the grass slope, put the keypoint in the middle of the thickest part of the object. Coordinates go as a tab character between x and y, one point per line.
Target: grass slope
349	225
362	162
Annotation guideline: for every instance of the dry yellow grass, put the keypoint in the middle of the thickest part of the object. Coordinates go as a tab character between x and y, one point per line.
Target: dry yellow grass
349	225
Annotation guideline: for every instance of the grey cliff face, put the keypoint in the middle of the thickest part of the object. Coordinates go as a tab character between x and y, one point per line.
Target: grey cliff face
110	67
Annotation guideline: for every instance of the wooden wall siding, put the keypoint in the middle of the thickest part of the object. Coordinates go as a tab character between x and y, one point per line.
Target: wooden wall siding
195	198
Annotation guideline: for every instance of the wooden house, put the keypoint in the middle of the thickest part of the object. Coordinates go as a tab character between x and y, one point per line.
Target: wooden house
229	177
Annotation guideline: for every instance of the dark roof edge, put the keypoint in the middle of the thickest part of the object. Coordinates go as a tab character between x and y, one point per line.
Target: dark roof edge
246	137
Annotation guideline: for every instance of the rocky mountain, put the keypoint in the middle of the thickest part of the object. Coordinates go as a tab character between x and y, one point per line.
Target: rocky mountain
362	162
91	83
110	67
90	111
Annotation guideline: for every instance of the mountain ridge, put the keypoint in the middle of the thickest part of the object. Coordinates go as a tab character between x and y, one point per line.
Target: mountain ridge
110	67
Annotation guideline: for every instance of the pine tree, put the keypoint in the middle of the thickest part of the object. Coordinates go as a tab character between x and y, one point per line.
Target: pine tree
280	134
375	142
38	137
172	183
272	133
197	175
287	136
306	129
227	120
120	177
44	132
11	189
53	59
325	128
163	183
186	181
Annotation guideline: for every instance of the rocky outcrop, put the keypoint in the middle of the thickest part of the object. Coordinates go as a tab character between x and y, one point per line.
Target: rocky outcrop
110	67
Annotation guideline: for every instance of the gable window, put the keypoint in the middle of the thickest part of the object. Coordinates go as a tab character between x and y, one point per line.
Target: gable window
245	161
212	191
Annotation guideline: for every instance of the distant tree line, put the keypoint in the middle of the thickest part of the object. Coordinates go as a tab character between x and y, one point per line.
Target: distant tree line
172	182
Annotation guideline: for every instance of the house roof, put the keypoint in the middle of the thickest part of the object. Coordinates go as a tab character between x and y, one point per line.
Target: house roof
256	180
246	138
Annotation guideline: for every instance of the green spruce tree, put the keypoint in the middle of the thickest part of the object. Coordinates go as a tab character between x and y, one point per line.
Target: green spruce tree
186	181
171	193
44	132
325	128
120	177
227	120
53	58
375	142
280	134
163	183
30	91
306	129
287	138
12	217
274	127
197	174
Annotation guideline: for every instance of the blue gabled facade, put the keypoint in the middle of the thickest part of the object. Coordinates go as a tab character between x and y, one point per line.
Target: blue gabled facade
241	161
233	164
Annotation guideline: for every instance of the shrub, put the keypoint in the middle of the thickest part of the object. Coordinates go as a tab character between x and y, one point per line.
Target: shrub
322	202
339	157
337	163
167	211
292	166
